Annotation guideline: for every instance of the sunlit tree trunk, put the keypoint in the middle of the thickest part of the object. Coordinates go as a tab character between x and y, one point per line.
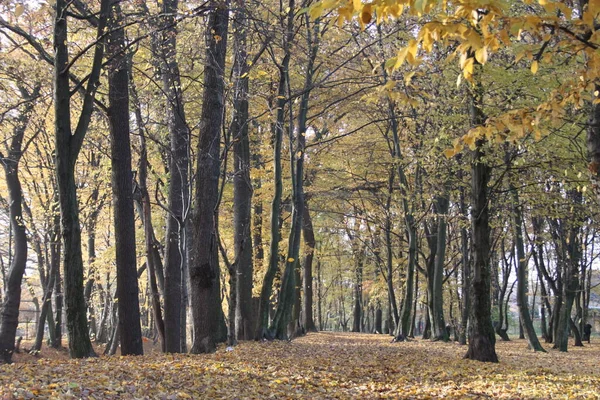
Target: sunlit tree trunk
12	291
68	145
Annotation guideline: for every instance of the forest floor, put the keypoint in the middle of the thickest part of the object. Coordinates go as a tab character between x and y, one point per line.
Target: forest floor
318	366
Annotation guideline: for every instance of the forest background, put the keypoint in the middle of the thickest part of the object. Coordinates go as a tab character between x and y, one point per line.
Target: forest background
220	171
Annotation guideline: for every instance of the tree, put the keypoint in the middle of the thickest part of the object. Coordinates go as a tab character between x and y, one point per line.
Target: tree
10	163
242	184
164	46
122	185
204	267
262	328
482	338
522	272
68	144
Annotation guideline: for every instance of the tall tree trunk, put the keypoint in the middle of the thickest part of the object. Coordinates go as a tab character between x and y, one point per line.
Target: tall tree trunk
404	321
45	313
179	202
262	330
466	266
55	256
242	185
283	315
12	291
570	285
204	266
357	310
151	244
307	278
389	252
403	326
68	145
439	325
482	340
122	188
522	274
538	258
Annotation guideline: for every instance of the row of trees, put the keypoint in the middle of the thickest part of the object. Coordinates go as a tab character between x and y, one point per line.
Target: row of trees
407	189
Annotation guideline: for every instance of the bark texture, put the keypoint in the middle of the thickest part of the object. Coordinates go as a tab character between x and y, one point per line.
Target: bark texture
122	188
204	266
482	339
68	145
12	291
242	184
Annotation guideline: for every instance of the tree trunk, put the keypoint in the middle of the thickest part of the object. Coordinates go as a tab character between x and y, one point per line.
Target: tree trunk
12	291
482	339
122	188
262	331
242	184
68	145
466	267
389	251
570	285
307	279
439	325
357	310
55	256
45	313
523	275
153	260
204	266
178	180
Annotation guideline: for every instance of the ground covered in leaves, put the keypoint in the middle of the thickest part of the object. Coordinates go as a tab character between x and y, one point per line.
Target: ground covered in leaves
318	366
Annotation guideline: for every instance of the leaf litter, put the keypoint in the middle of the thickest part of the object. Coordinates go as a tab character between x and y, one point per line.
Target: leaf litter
323	365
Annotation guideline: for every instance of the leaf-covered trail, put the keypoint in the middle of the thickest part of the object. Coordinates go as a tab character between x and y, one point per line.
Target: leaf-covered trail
318	366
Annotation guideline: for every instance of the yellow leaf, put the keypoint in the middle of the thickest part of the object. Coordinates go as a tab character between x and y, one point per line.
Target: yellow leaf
291	259
449	153
19	9
412	48
316	11
481	55
389	85
468	68
534	67
357	5
469	140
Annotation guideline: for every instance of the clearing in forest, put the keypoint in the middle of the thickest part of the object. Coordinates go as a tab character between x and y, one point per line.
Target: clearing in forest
318	366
